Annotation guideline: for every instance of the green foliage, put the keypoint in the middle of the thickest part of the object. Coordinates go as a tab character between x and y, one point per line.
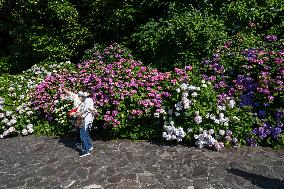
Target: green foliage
182	39
114	20
42	30
4	65
241	14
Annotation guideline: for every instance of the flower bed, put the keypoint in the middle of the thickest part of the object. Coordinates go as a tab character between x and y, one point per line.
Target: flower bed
215	105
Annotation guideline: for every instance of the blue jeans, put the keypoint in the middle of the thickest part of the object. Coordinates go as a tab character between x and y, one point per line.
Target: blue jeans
86	139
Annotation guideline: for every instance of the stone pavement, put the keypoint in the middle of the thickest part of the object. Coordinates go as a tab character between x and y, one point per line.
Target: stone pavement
51	162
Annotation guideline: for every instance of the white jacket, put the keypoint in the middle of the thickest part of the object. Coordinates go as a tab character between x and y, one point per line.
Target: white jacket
88	111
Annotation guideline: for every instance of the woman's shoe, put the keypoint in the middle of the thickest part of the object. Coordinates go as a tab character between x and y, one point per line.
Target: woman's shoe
78	146
85	154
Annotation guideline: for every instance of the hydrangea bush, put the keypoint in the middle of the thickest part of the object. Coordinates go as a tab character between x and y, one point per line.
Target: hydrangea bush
17	115
125	91
253	76
215	105
198	112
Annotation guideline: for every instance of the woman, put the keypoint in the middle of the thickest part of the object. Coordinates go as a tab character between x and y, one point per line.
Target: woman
87	112
77	105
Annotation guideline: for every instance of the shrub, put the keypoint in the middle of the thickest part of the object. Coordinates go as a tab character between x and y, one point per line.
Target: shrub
182	39
196	108
125	91
17	116
241	15
258	84
41	30
113	21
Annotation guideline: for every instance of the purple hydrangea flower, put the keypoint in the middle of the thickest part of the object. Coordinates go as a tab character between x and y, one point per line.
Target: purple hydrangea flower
254	131
279	124
251	142
262	113
271	38
229	132
279	114
276	132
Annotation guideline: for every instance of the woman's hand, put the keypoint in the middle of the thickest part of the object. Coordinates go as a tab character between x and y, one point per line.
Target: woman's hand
78	113
72	114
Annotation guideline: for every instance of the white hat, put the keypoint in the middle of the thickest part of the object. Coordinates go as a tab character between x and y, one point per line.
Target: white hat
84	94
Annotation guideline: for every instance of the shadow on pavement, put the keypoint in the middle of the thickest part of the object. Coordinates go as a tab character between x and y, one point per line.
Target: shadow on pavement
258	180
68	142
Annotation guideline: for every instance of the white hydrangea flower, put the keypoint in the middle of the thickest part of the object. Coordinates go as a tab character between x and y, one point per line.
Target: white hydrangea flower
31	130
5	120
7	132
156	114
194	94
189	130
185	94
29	126
198	119
177	114
178	90
184	86
232	104
163	111
179	139
236	118
29	113
196	136
180	133
168	137
9	113
207	115
11	89
217	121
222	132
211	131
164	134
191	88
2	115
21	111
179	106
220	108
226	124
200	143
204	85
12	129
186	103
212	117
13	121
211	141
186	106
204	134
